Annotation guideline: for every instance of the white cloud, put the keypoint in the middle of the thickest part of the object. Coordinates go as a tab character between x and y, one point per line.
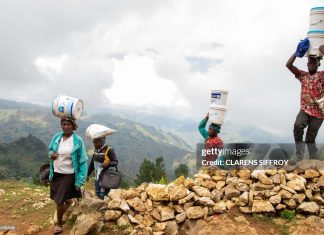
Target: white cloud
136	84
170	54
51	66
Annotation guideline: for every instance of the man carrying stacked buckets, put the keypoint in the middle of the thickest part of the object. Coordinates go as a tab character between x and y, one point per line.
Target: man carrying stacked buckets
311	112
216	115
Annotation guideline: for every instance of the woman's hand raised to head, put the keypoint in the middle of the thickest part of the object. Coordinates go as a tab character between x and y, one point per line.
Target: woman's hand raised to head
54	156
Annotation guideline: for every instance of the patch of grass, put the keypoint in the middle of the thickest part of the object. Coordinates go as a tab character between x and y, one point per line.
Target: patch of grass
263	217
288	214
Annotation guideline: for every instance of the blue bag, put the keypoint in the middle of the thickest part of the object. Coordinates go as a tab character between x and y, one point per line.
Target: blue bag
302	48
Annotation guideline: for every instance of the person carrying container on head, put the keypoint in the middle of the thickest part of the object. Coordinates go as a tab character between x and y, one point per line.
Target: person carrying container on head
103	158
310	115
212	140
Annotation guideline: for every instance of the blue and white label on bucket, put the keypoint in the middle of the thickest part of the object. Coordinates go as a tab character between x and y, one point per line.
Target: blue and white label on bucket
216	95
61	109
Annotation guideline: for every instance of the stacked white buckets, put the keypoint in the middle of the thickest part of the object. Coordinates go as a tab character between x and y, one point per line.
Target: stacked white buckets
217	108
316	31
65	106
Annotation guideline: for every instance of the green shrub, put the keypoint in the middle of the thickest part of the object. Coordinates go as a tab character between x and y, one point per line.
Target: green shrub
288	214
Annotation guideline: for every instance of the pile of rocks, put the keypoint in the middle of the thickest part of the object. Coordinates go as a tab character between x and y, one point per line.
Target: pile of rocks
165	209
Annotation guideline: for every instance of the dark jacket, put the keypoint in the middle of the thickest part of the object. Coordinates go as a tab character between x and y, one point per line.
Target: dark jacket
111	155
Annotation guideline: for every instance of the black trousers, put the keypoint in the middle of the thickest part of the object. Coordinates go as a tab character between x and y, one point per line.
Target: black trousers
304	120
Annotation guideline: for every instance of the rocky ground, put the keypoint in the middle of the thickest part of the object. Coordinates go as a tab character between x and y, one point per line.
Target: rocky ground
272	201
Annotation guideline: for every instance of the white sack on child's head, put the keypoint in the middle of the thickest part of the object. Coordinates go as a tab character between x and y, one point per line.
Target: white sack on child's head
96	131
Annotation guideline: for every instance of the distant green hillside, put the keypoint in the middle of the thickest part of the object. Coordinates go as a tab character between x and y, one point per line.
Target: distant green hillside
133	142
22	158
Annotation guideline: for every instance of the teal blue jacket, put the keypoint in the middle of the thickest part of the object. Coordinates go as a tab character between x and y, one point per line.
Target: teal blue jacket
79	158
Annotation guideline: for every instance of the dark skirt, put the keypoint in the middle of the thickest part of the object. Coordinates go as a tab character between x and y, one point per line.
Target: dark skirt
62	188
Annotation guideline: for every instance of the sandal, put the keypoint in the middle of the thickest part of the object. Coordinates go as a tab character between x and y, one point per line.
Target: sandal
57	229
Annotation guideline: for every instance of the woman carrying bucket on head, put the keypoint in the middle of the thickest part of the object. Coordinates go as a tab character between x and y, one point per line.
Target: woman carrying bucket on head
68	168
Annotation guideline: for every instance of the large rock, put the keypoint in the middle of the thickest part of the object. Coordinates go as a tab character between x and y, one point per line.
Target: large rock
180	180
264	179
148	220
132	219
86	223
230	204
295	182
246	209
231	191
216	195
178	192
220	207
123	220
158	192
137	204
201	191
196	212
244	199
244	174
181	217
130	193
166	213
188	183
308	207
291	203
114	203
275	199
285	194
187	198
262	206
288	189
209	184
242	187
206	201
220	185
115	193
320	182
259	186
202	176
91	204
311	173
171	228
111	215
158	227
299	198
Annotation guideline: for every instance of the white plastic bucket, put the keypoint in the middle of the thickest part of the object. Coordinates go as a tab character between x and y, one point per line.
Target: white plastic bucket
65	106
217	114
316	39
218	97
316	19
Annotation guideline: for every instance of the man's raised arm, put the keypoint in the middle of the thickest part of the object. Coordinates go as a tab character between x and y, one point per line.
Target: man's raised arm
290	65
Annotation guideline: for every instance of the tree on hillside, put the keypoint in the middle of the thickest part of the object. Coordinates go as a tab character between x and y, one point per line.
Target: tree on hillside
145	172
182	169
159	170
